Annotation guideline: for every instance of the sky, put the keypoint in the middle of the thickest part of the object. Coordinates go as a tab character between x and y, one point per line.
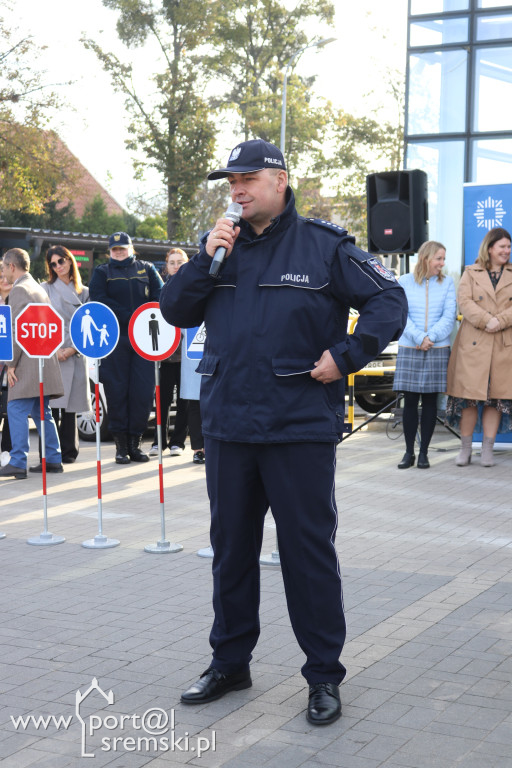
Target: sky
370	37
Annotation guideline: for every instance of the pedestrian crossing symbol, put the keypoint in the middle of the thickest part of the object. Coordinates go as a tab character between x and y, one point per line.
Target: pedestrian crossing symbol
94	330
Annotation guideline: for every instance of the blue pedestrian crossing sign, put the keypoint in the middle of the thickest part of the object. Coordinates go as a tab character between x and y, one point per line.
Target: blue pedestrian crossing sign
94	330
195	339
5	333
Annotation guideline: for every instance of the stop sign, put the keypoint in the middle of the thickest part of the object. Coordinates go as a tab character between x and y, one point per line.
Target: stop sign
39	330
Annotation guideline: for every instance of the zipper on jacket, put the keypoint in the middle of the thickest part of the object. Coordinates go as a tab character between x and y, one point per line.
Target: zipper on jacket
426	306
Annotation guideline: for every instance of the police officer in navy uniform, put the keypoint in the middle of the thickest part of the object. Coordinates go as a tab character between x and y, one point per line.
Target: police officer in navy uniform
272	404
124	284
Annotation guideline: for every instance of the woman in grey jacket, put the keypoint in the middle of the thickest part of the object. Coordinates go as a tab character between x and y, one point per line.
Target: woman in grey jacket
66	293
424	347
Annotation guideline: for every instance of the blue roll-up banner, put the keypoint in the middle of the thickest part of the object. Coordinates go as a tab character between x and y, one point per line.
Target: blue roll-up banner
485	206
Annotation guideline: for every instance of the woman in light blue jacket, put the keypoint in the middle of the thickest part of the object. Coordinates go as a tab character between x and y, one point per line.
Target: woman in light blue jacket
424	347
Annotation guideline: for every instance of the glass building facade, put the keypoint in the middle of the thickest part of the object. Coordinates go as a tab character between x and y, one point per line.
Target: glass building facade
458	123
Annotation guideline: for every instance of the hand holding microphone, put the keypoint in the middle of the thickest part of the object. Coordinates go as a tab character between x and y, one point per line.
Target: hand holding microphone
221	233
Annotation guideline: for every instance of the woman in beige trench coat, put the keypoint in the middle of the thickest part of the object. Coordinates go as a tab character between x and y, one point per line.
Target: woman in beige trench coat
481	358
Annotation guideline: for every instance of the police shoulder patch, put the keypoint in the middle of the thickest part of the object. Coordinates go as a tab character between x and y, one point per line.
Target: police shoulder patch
327	225
381	270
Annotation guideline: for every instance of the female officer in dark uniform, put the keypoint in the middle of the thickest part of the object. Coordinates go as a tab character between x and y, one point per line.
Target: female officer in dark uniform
124	284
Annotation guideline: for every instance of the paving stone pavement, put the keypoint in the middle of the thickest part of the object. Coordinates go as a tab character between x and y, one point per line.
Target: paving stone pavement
427	567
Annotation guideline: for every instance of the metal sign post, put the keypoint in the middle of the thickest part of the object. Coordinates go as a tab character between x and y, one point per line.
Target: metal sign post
45	537
154	339
40	333
94	330
100	541
162	546
273	558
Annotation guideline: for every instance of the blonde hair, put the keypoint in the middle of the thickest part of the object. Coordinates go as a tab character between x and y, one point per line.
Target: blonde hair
493	235
425	253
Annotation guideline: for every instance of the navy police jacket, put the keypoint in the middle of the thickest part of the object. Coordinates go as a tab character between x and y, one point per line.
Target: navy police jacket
281	299
124	286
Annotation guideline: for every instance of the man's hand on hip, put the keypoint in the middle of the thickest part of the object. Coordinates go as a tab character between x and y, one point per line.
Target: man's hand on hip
326	369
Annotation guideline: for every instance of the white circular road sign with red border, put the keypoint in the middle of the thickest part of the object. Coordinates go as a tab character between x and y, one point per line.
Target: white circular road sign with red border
150	335
39	330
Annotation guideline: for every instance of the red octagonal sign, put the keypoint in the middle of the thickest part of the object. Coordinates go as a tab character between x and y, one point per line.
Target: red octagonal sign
39	330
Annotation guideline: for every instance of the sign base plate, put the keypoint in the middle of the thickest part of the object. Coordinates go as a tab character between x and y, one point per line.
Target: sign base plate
45	539
206	552
100	542
272	559
163	547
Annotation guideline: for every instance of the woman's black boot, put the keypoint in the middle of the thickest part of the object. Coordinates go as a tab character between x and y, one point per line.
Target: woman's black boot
423	462
407	460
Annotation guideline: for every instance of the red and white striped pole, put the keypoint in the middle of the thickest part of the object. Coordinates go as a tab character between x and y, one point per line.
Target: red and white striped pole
100	541
163	545
45	537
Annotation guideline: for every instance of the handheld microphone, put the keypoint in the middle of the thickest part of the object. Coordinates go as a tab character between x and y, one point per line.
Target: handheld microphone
234	213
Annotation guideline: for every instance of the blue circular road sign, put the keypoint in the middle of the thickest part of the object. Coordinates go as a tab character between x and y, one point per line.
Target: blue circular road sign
94	330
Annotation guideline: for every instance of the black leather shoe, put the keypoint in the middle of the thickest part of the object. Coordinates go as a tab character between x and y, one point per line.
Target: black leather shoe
324	705
11	471
407	460
49	467
423	462
213	684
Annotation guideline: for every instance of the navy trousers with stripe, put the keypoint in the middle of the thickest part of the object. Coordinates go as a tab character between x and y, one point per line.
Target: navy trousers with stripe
296	480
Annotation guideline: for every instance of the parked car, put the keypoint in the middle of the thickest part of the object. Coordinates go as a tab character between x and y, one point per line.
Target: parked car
372	393
86	421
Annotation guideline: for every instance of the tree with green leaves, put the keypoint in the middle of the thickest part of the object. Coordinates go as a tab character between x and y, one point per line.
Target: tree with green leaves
97	220
173	127
252	44
255	42
34	168
53	216
360	146
154	227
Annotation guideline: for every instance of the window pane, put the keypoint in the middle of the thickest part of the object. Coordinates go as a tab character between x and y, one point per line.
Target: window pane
493	89
493	3
492	161
443	162
437	6
437	92
494	27
439	31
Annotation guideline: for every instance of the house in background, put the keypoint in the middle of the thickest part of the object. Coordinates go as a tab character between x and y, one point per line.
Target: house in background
86	188
86	247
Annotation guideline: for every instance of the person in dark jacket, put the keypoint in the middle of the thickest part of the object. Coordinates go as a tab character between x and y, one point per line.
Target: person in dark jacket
170	378
272	405
124	284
